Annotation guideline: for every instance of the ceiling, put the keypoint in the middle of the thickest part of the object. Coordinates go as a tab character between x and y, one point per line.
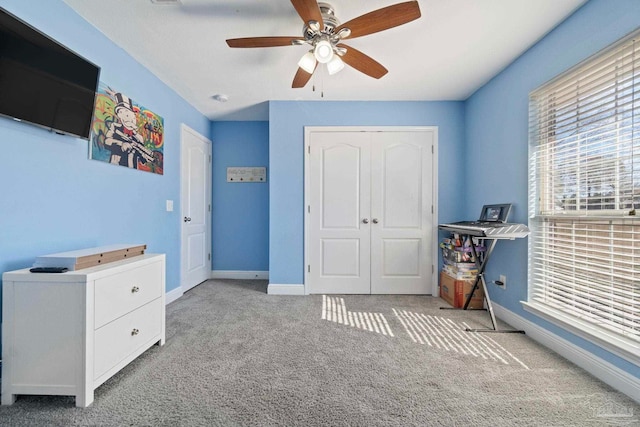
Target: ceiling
454	48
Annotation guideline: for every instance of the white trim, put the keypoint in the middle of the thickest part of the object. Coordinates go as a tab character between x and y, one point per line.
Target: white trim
239	274
599	368
434	195
435	250
291	289
307	199
625	349
173	295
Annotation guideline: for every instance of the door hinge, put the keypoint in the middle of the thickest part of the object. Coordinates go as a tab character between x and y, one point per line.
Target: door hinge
209	256
433	269
309	149
431	208
209	207
309	209
432	150
209	158
308	268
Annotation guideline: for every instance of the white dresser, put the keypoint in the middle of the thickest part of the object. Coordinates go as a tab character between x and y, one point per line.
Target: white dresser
67	333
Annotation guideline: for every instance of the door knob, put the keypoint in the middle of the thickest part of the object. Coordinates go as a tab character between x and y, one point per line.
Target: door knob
187	219
375	220
365	221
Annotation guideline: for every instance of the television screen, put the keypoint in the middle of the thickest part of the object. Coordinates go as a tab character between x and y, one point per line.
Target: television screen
43	82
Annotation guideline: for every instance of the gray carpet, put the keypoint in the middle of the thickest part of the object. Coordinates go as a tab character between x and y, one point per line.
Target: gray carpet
235	356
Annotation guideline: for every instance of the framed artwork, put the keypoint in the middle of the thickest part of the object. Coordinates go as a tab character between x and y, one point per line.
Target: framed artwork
125	133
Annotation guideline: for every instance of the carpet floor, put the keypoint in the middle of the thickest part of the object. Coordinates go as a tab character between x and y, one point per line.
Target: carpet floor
235	356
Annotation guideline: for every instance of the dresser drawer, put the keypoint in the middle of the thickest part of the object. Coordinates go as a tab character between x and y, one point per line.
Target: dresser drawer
118	339
121	293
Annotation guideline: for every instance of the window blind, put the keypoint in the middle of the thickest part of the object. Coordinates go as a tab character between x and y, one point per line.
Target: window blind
584	188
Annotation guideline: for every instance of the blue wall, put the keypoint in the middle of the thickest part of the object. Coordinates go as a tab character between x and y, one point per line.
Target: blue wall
53	198
287	120
497	138
240	230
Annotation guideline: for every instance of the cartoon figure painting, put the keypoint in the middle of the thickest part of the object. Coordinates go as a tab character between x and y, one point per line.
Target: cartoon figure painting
125	133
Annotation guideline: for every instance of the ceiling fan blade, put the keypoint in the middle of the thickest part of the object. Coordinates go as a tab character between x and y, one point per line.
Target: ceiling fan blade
382	19
301	78
363	63
262	41
308	11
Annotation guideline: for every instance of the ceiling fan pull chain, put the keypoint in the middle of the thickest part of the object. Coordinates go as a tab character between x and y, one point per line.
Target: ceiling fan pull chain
314	77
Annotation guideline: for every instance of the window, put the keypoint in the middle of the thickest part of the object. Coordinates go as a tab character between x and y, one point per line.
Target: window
584	190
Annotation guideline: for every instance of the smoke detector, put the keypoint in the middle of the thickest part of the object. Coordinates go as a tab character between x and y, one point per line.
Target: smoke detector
220	97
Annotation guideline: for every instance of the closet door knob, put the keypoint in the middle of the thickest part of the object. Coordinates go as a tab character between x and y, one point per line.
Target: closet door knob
135	332
365	220
375	220
187	219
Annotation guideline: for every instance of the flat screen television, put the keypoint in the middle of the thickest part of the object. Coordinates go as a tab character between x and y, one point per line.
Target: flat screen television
43	82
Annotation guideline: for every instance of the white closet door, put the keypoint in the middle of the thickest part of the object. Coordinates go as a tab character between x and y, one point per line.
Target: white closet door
339	213
369	211
401	198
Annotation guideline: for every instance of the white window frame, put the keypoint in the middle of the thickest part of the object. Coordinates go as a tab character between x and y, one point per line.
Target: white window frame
584	247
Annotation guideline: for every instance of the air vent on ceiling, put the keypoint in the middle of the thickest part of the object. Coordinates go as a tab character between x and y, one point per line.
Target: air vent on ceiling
165	1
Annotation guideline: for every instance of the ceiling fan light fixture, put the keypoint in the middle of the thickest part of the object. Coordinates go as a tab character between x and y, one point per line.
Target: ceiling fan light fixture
308	62
323	51
323	32
335	65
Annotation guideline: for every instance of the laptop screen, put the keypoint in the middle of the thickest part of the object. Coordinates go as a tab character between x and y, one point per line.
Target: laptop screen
495	213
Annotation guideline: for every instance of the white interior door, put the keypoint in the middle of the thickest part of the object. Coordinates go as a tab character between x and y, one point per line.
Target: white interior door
402	222
370	221
196	208
338	215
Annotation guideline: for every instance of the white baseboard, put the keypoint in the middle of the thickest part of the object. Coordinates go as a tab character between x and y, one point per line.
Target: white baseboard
291	289
599	368
242	275
173	295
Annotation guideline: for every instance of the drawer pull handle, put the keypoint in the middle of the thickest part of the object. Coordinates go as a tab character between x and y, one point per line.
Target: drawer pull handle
135	289
135	332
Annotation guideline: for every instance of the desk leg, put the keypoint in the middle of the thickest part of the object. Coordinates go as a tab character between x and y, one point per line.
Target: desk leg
480	279
480	276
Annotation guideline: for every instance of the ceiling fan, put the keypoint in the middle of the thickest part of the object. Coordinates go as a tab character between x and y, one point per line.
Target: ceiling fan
324	33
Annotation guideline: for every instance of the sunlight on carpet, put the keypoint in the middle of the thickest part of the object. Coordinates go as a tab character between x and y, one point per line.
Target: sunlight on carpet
335	310
444	333
433	331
